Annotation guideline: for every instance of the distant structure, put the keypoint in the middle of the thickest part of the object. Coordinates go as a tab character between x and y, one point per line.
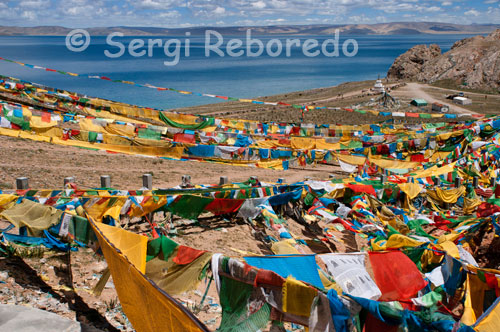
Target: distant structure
378	87
419	102
462	100
387	101
437	107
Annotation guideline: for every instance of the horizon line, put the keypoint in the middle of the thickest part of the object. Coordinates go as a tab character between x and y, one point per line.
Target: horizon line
270	25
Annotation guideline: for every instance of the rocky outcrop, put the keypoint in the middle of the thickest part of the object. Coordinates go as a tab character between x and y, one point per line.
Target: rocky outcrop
473	61
408	65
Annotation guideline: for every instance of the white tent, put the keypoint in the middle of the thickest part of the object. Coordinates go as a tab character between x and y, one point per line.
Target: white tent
462	101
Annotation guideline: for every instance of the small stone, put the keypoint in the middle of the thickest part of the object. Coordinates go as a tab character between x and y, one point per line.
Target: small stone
99	267
210	321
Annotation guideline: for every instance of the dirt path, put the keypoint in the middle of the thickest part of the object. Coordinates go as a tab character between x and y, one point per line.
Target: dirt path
465	91
343	95
416	90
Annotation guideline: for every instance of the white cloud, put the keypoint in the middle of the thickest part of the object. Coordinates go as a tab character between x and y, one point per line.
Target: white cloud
28	14
359	19
176	13
170	14
154	4
259	4
431	9
219	11
33	3
472	12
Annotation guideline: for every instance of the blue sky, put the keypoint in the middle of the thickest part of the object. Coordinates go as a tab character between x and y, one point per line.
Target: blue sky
185	13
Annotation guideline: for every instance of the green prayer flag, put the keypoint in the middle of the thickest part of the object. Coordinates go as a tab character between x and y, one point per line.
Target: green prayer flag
205	123
92	136
149	134
162	245
189	206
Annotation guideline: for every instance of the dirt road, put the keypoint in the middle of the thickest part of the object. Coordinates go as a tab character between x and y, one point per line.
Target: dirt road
465	91
416	91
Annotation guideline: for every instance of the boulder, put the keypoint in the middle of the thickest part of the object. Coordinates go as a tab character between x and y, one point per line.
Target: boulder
21	318
408	65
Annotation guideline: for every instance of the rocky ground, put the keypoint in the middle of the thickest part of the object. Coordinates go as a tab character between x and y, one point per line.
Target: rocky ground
46	165
63	283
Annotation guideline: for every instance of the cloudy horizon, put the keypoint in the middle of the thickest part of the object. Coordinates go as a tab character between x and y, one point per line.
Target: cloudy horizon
190	13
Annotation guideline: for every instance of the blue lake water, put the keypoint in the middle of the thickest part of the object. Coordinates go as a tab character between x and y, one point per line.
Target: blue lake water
242	77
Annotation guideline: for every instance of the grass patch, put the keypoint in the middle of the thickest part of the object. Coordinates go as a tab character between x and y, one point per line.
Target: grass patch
28	252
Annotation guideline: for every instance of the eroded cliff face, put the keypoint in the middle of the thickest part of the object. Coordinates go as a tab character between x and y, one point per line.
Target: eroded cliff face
474	61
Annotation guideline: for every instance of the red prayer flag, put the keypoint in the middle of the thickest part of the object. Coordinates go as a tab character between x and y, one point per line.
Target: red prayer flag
362	188
46	117
186	255
223	205
418	157
184	138
396	275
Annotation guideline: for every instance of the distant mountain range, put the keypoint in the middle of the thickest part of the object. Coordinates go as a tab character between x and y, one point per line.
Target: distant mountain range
395	28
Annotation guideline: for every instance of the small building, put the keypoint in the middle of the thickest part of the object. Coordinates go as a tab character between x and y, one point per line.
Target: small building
378	87
419	102
462	100
437	107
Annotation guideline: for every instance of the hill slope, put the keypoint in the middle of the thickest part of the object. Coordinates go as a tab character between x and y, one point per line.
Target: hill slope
474	62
